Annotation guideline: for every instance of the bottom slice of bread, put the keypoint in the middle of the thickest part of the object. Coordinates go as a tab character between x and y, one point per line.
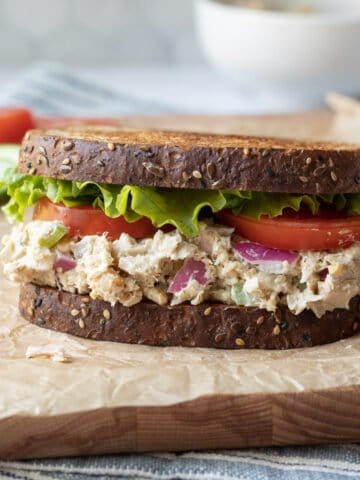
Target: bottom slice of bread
205	325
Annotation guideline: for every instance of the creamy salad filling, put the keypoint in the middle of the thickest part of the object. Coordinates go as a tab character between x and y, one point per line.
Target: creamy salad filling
170	269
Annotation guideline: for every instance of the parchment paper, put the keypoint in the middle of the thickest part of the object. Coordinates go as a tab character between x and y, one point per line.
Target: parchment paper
104	374
101	374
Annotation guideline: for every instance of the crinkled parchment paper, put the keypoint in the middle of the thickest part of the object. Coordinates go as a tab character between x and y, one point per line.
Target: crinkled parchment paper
66	374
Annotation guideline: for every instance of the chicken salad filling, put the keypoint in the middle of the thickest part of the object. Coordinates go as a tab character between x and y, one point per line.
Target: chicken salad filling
169	268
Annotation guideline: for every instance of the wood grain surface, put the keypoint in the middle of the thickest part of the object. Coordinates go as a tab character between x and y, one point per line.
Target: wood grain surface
221	422
212	422
317	125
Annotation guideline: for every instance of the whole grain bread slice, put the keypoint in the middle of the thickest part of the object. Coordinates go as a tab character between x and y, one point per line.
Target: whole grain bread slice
205	325
191	160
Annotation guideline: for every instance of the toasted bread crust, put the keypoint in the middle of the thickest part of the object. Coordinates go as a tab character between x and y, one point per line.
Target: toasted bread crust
205	325
191	160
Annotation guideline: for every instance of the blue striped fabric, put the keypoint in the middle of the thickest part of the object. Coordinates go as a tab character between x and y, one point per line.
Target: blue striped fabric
52	91
338	462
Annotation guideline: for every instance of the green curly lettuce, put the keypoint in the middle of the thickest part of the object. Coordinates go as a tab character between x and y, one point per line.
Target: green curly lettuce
257	204
8	159
271	204
177	207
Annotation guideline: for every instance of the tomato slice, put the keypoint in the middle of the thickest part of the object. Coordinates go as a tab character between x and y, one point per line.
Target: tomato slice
87	220
325	231
14	123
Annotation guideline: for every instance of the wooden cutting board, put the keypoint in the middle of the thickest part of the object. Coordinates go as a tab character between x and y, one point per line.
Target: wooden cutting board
207	423
323	410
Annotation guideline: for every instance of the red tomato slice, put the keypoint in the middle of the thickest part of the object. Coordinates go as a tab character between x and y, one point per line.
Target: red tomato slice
14	123
291	232
86	220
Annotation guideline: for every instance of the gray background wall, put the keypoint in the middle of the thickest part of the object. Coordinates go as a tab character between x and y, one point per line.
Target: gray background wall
102	32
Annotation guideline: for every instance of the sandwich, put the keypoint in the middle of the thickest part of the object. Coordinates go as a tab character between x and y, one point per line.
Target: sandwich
180	239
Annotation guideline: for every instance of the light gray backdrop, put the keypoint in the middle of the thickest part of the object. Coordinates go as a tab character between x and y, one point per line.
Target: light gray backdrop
103	32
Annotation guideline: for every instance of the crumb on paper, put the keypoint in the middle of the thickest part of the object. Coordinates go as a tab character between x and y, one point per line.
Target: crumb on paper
50	352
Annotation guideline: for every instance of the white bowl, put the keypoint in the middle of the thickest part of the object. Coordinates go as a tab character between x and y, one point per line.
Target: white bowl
281	50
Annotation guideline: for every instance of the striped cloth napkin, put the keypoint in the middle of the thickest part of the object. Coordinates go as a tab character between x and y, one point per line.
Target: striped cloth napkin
338	462
52	90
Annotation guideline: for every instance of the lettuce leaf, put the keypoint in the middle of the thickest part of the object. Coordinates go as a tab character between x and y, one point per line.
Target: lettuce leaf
8	160
177	207
257	204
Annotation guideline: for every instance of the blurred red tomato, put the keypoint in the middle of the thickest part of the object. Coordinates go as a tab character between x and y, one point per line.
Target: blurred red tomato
14	123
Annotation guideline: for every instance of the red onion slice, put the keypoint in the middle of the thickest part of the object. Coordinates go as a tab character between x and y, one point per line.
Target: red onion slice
323	274
191	270
64	262
255	253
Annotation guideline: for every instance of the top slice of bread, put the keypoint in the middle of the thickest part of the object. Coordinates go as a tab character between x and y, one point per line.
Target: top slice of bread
191	160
